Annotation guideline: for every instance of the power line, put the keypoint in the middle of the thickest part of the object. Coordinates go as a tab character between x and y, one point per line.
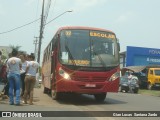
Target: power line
20	26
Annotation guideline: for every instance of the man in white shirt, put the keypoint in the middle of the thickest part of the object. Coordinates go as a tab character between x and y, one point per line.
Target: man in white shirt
30	79
14	66
23	71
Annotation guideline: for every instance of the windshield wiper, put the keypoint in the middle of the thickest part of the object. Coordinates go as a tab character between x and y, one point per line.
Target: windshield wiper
101	60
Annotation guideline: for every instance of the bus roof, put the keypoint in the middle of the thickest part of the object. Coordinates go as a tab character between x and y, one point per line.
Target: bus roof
83	28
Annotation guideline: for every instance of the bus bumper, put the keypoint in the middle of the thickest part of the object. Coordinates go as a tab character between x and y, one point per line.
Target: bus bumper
87	87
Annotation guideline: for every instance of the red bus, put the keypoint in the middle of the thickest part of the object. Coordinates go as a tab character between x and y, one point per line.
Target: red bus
82	60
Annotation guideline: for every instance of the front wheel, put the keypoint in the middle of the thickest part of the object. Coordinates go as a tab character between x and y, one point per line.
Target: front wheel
55	95
100	97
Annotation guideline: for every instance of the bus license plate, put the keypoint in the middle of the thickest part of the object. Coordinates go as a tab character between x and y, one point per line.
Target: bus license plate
90	85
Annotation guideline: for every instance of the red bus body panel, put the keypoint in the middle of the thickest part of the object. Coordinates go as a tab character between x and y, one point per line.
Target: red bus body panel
87	82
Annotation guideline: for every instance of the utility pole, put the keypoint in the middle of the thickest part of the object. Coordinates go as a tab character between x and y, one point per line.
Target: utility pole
41	33
35	42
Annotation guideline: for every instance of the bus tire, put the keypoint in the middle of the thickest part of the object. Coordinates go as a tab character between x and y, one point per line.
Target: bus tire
55	95
100	97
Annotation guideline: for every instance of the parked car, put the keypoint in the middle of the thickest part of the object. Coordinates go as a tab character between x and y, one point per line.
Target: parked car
143	82
127	84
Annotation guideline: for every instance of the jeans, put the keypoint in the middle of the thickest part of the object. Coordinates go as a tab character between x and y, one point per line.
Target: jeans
22	83
14	86
29	86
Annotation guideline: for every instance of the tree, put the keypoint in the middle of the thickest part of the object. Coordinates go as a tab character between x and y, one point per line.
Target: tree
15	47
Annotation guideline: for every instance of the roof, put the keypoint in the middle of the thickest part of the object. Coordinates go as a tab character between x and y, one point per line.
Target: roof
155	68
83	28
133	69
138	68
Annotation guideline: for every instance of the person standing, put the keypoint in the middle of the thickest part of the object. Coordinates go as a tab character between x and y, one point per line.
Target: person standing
14	66
6	89
129	81
1	63
23	72
130	76
30	79
0	56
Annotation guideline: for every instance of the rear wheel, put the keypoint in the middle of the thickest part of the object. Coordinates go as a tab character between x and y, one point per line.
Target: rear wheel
100	97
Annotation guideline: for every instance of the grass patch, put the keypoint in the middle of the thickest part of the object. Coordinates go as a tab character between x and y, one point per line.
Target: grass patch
149	92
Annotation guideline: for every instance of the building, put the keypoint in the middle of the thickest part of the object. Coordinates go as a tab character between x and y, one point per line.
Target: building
139	56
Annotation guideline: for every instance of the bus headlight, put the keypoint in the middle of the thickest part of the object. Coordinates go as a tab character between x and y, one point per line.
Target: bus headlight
64	74
114	76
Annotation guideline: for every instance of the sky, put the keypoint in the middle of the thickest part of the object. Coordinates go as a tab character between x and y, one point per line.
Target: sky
135	22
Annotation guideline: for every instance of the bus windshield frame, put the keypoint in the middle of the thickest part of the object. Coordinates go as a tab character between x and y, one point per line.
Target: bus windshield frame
88	48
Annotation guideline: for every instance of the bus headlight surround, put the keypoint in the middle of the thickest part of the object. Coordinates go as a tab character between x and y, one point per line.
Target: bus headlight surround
114	76
64	74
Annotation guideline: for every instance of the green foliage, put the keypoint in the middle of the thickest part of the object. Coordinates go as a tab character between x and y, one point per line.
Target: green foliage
15	47
150	92
4	57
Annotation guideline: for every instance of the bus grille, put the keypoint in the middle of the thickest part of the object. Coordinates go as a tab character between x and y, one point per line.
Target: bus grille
89	78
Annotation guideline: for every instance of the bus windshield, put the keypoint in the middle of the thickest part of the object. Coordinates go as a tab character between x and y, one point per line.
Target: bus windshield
88	48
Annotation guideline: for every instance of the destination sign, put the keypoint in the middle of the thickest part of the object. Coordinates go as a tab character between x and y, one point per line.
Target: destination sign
103	35
80	62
